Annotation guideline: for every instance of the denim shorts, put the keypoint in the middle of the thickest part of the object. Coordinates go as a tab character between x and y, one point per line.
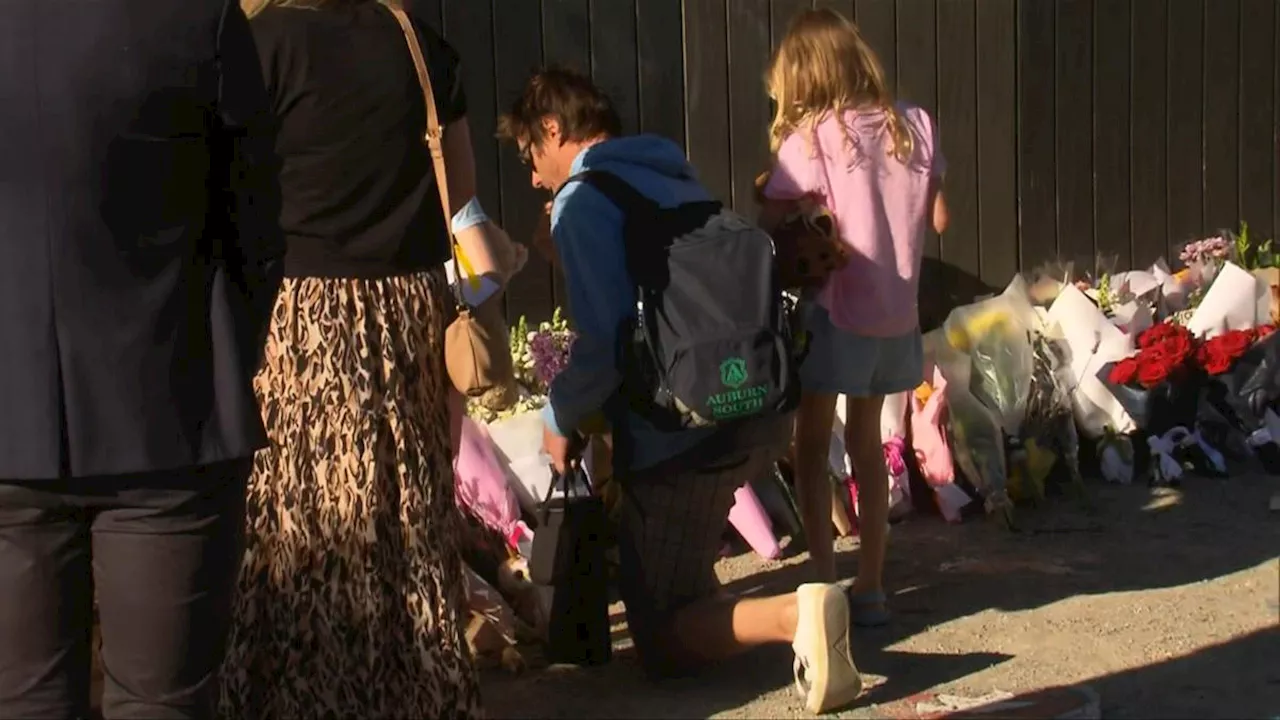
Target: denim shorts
840	362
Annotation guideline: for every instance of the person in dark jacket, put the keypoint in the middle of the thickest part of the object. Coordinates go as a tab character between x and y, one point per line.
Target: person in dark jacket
140	255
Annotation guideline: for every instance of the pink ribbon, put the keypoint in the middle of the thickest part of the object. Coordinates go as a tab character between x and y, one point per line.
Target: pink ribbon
894	447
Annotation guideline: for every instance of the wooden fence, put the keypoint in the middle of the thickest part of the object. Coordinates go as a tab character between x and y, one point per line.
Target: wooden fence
1072	128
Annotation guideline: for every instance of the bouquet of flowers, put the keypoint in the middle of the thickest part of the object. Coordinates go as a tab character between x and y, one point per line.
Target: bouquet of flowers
1164	352
1159	387
988	360
539	355
1206	254
1049	446
1242	369
1100	284
1203	259
1261	260
1216	356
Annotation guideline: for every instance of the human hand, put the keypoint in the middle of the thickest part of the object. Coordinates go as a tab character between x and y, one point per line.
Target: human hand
519	258
564	451
542	241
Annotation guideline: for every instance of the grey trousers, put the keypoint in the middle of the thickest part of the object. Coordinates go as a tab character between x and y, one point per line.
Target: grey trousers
162	551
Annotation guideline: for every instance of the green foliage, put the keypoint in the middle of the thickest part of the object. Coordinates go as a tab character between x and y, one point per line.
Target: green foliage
1106	298
1251	256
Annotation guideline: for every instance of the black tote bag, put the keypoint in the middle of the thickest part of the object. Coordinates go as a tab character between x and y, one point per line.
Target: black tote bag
568	556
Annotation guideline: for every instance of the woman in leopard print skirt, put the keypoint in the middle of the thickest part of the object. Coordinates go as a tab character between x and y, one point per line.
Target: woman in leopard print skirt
351	593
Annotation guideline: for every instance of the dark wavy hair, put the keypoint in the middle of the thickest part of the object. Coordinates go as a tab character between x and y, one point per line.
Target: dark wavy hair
583	111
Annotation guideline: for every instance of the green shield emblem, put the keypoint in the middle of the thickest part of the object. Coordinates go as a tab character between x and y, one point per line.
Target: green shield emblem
733	372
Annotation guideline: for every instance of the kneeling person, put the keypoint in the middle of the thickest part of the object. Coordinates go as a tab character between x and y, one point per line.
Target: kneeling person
635	233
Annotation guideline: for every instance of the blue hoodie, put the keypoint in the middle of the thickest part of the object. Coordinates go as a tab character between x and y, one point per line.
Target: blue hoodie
587	229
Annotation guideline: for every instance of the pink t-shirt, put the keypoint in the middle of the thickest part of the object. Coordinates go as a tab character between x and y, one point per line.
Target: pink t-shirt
881	206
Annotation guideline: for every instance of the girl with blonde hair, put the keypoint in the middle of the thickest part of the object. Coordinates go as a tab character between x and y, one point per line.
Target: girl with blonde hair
841	139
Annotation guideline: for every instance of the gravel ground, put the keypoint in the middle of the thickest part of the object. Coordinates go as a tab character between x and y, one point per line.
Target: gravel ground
1165	602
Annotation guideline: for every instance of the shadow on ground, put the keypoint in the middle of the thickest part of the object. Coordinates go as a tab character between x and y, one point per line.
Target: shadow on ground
1237	679
1132	539
1190	686
619	690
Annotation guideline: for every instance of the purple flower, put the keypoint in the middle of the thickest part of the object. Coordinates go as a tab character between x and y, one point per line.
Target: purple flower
550	351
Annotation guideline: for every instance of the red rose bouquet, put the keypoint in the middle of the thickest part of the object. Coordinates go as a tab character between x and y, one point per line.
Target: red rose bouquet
1159	385
1242	370
1164	352
1218	355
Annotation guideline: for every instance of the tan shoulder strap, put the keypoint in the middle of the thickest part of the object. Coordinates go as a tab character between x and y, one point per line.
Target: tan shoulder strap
433	136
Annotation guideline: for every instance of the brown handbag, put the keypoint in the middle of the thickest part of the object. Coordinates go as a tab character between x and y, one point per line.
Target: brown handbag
477	351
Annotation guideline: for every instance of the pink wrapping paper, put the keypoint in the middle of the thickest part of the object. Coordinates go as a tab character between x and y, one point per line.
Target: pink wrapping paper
481	486
933	451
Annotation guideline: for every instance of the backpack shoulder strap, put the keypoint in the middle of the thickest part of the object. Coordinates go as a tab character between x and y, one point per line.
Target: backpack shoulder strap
620	192
634	206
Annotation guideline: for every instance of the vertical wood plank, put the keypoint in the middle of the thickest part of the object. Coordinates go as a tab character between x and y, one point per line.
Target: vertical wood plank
1073	134
878	22
749	55
918	71
1037	179
660	50
707	86
997	89
468	27
846	8
614	59
1257	115
566	34
1149	134
781	13
566	41
918	53
515	58
1221	89
1111	76
958	121
1185	101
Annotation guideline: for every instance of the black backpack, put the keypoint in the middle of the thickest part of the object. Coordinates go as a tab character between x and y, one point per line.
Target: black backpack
711	343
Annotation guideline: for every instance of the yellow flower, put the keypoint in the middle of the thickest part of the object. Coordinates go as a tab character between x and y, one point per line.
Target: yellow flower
923	392
977	326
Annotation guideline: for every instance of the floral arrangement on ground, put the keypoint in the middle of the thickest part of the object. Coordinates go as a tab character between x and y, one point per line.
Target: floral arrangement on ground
538	355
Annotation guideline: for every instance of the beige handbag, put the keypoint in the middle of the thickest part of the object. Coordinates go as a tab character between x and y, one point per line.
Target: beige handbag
477	351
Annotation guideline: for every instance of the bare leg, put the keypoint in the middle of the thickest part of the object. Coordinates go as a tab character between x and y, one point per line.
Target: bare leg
719	628
680	620
814	619
862	439
813	487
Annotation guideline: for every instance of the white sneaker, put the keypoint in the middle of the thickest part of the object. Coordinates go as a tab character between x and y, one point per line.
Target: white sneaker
824	671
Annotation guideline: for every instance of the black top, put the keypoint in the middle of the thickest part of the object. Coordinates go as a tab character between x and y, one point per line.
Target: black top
359	190
139	251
